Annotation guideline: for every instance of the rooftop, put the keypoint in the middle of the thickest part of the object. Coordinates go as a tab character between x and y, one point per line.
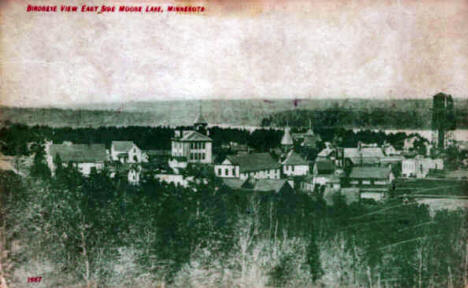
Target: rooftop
83	153
370	172
122	146
366	154
269	185
253	162
294	158
325	167
233	183
191	135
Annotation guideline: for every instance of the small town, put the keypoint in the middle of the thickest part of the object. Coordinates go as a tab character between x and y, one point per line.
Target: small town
234	144
367	171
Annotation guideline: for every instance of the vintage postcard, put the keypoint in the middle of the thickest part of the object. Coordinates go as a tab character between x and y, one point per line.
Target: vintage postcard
233	143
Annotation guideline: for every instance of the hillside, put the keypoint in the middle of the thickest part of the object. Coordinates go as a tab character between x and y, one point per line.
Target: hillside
234	112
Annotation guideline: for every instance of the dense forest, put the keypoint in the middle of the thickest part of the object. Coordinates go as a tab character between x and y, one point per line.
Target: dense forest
16	138
101	232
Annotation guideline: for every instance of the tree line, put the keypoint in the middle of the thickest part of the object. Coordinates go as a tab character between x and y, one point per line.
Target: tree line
16	139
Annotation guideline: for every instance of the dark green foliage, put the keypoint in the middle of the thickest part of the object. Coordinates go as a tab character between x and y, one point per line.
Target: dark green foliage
39	167
84	220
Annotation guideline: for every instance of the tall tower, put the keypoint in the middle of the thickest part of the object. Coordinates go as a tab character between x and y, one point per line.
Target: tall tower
286	141
443	119
200	123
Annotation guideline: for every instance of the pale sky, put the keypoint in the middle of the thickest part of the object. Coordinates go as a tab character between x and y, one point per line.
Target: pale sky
290	49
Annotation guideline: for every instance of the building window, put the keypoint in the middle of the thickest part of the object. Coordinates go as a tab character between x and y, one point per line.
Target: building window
226	172
220	171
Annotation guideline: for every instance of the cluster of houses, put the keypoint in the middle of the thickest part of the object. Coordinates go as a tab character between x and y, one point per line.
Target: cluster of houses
367	170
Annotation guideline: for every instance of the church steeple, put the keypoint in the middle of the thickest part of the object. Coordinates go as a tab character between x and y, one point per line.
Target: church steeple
200	123
287	141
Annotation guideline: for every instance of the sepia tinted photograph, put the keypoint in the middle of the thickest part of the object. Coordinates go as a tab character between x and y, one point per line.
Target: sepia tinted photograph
243	144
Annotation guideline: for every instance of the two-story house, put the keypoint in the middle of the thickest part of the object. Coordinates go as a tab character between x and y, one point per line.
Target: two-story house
295	165
126	152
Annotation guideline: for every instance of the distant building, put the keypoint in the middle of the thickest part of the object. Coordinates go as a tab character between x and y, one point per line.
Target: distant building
443	119
287	141
295	165
243	166
176	179
277	186
420	167
373	182
127	152
191	146
308	140
326	154
323	172
389	150
131	171
363	155
85	157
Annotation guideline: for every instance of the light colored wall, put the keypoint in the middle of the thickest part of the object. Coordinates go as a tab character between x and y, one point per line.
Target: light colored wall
226	171
296	170
135	151
172	178
183	149
377	196
262	174
413	166
85	168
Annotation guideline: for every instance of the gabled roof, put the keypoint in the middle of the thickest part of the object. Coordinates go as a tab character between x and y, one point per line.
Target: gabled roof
82	153
294	159
253	162
366	154
122	146
370	172
311	141
233	183
269	185
325	167
194	136
287	139
326	152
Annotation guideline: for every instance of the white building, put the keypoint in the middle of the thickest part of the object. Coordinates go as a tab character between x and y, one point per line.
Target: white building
323	173
243	166
419	166
126	152
192	147
176	179
295	165
287	141
85	157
